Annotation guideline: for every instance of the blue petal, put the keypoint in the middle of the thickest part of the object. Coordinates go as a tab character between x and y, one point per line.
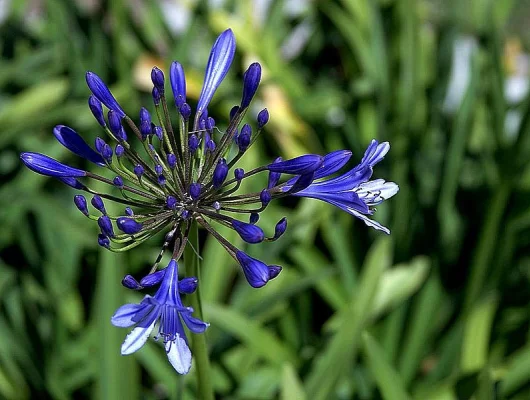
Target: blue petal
75	143
195	325
102	93
48	166
123	317
342	199
248	232
153	279
256	272
219	62
332	163
302	165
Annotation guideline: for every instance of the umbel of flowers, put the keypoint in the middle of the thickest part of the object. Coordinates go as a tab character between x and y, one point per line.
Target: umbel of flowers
187	173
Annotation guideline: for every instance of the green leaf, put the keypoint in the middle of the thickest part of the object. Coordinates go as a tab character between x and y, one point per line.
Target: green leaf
291	386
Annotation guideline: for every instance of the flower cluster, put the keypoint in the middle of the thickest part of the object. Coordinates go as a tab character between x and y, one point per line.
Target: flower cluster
183	177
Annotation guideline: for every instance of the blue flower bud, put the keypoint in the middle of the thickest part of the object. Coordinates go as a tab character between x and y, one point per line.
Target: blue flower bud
210	124
114	122
107	153
97	203
280	228
254	217
243	140
332	163
159	169
129	211
178	83
103	241
185	111
81	204
185	214
274	177
195	190
297	166
156	96
263	118
72	182
233	112
256	272
153	279
161	180
157	77
171	202
220	173
216	205
302	182
99	144
193	143
251	79
239	173
265	197
102	93
138	170
130	283
159	132
248	232
210	146
45	165
106	226
171	160
274	271
73	142
97	110
128	225
188	285
118	182
145	129
121	135
119	150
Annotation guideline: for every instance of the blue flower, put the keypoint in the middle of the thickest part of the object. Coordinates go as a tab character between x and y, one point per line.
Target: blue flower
165	308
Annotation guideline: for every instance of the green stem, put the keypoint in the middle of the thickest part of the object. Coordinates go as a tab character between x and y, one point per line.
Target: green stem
198	341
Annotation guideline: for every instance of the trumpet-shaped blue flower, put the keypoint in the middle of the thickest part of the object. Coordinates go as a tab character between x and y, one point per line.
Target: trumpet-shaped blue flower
165	308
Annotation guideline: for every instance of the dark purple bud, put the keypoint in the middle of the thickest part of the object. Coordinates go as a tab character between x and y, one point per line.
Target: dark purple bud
45	165
102	93
97	110
188	285
129	211
256	272
239	173
185	214
159	169
263	118
195	190
185	111
210	124
171	160
302	182
157	77
106	226
210	146
121	135
107	153
274	271
130	283
153	279
99	144
81	204
332	163
254	218
248	232
233	112
145	129
114	123
138	170
265	197
73	142
158	132
243	140
251	80
298	166
171	202
280	228
145	115
97	203
274	177
118	182
220	173
119	150
178	83
161	180
193	143
72	182
218	64
128	225
103	241
156	96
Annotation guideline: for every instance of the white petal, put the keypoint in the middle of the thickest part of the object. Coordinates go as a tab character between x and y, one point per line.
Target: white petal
179	355
136	339
369	222
376	191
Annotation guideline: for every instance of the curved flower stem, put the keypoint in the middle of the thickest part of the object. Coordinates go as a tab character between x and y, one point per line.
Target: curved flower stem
198	341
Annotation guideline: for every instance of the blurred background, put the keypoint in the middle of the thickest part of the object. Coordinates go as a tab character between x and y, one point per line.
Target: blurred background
438	310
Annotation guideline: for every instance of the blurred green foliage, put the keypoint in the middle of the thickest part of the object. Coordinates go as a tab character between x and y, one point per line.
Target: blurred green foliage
439	310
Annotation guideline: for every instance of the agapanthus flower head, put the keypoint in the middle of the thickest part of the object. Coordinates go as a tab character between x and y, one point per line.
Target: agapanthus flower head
188	175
